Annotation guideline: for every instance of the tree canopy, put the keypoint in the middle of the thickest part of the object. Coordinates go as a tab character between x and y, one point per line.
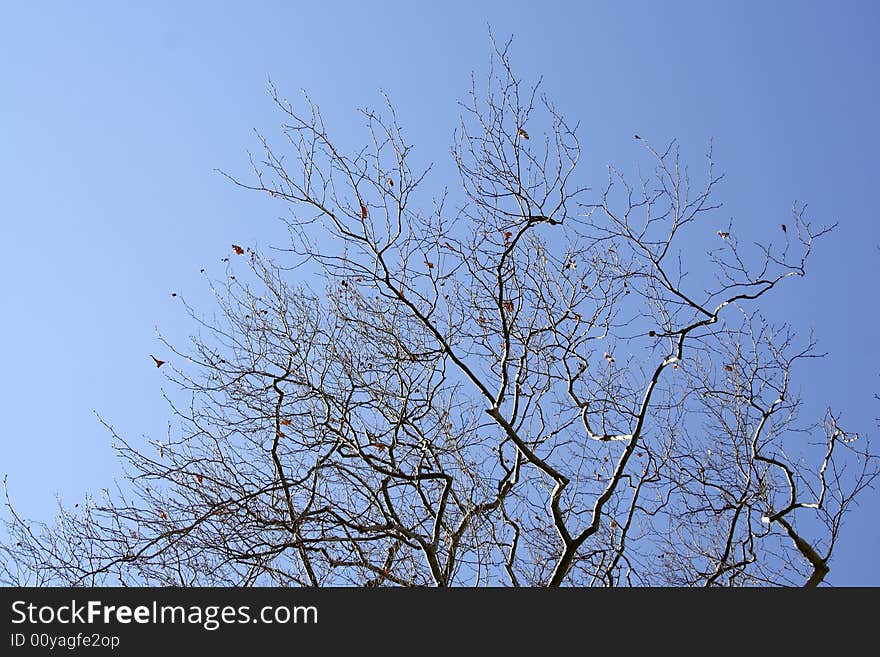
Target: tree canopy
517	380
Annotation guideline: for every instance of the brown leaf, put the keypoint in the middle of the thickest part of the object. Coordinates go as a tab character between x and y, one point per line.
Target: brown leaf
285	423
609	358
238	250
199	478
163	515
391	182
363	211
508	306
280	434
159	363
430	264
522	133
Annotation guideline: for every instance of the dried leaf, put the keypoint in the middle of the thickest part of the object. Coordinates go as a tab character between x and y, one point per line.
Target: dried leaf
238	250
508	306
159	363
363	211
522	133
285	423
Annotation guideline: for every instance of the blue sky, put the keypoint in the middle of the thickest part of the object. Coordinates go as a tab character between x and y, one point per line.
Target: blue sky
114	117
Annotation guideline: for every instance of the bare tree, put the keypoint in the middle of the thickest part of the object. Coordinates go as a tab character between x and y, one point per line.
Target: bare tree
517	383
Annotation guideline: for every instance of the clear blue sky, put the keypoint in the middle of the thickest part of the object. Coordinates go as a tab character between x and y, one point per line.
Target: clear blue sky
115	115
